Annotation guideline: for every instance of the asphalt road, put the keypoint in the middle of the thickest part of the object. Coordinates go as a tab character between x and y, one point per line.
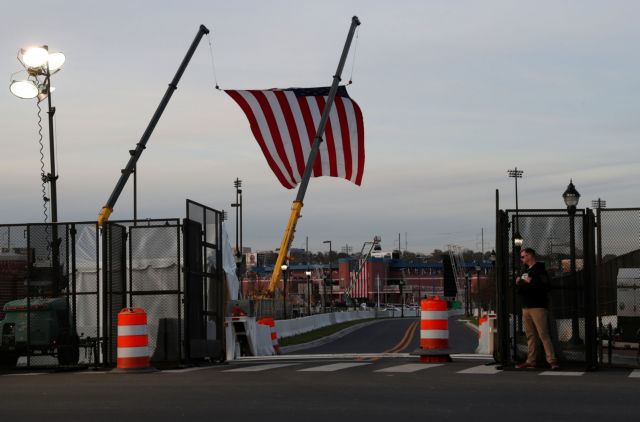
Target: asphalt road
302	387
387	335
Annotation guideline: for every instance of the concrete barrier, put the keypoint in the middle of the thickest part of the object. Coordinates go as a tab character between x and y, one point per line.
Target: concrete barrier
292	327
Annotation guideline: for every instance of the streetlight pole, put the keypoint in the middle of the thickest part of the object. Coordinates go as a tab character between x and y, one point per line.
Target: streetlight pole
517	245
467	298
478	271
599	204
40	64
330	275
308	273
571	198
238	206
284	290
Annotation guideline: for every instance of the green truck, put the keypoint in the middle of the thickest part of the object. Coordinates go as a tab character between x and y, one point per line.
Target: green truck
50	332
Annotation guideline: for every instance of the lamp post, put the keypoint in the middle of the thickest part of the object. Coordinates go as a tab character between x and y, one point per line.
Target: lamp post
516	174
238	206
40	65
599	204
478	271
308	274
571	198
283	267
517	245
330	280
467	298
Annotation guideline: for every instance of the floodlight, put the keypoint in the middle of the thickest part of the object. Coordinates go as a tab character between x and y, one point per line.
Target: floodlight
24	89
56	60
33	57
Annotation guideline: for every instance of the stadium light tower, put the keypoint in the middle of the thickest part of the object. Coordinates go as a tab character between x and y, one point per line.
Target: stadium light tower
516	174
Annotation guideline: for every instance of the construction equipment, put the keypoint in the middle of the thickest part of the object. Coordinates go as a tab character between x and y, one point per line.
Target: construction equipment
457	262
363	262
296	207
140	146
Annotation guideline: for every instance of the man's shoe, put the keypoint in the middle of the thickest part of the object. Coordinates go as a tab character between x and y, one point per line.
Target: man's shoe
554	366
525	365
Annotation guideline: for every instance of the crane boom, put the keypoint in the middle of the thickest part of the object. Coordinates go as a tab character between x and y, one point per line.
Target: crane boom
140	146
287	238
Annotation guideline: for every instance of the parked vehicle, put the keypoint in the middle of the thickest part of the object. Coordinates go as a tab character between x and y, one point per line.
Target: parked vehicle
50	331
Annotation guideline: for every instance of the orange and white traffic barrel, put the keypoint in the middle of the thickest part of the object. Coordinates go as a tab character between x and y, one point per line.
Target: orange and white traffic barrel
434	331
133	340
274	335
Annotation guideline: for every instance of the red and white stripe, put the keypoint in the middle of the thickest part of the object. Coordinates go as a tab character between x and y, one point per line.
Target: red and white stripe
133	339
434	324
284	122
361	285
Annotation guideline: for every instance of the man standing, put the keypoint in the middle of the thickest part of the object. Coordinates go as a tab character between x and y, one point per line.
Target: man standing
533	286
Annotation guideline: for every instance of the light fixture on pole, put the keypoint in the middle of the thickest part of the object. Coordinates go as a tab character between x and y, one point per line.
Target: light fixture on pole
39	65
238	206
284	267
571	198
516	174
328	281
308	274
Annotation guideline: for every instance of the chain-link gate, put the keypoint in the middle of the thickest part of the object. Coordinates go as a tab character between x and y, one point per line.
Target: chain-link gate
49	294
204	288
565	244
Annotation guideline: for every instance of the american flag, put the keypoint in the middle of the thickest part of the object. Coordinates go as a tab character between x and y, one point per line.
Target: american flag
284	123
361	285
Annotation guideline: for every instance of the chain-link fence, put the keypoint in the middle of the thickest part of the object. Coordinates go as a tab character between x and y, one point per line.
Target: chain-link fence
618	274
558	240
49	294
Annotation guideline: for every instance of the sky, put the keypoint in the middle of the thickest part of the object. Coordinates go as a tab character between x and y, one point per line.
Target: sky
453	95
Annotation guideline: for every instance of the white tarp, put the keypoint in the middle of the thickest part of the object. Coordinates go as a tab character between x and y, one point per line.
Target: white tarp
229	265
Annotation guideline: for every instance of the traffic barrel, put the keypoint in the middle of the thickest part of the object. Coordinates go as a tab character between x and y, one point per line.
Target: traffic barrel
133	341
270	322
434	331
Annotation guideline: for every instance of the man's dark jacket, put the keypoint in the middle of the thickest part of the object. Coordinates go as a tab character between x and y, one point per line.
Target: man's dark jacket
535	293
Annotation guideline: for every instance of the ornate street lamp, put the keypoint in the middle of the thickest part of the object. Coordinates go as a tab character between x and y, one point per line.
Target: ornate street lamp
571	198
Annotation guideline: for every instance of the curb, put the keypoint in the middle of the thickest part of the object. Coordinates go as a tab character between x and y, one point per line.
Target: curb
328	339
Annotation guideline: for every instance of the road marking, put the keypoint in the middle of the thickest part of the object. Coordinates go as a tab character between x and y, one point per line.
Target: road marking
635	373
179	371
258	368
562	373
410	367
481	370
91	373
25	375
333	367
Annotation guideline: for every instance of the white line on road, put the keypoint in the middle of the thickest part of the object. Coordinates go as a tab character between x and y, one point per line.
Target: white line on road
562	373
258	368
635	373
333	367
481	370
179	371
25	375
410	367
